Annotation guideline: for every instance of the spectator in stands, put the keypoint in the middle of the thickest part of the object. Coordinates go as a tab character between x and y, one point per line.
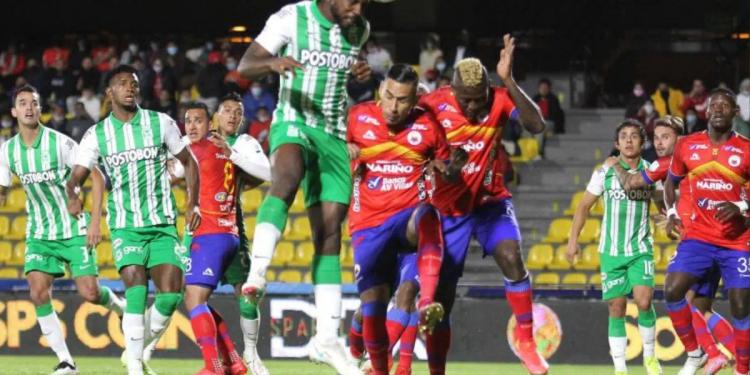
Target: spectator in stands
35	76
210	81
163	80
444	80
667	100
692	123
429	54
430	78
258	96
233	80
550	107
127	56
260	126
87	75
61	83
635	100
511	134
102	56
647	115
742	120
464	48
77	53
441	68
377	57
166	104
12	63
80	122
57	121
697	100
5	103
185	96
53	54
183	68
91	103
6	127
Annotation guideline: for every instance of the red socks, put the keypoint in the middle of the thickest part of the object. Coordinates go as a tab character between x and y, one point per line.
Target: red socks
682	321
408	339
376	336
742	344
226	345
204	328
702	334
722	331
356	343
518	294
429	253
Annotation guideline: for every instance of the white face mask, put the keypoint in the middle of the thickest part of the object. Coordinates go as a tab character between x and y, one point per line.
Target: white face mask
691	119
440	66
231	65
157	68
256	91
6	123
172	50
648	108
133	48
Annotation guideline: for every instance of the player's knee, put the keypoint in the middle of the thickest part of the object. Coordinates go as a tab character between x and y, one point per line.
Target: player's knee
673	292
39	296
285	184
617	307
643	304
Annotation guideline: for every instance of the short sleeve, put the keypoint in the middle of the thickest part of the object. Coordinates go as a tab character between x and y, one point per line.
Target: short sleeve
596	184
88	150
69	151
277	31
677	167
5	176
509	107
172	136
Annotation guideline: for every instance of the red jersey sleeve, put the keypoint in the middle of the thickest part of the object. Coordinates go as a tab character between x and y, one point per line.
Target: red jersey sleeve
508	108
677	168
657	171
442	149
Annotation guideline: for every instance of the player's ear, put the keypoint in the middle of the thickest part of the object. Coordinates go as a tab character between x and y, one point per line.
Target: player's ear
13	112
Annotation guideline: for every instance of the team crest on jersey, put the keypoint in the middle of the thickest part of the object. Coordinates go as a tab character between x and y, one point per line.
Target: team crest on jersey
695	156
221	197
45	159
447	107
446	123
414	138
147	133
368	120
734	161
369	135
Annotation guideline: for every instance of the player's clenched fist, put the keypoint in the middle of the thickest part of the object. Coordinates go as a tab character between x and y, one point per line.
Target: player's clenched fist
573	251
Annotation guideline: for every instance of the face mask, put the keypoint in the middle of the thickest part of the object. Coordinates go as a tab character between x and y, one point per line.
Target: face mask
256	91
209	46
691	119
6	123
133	48
262	118
637	92
157	68
440	66
648	108
172	50
231	65
58	118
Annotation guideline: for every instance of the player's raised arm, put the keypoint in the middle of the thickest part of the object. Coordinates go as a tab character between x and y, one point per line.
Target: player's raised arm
529	113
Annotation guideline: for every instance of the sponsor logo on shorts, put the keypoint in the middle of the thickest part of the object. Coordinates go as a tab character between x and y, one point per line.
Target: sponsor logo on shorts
116	243
34	257
357	269
714	185
609	284
120	253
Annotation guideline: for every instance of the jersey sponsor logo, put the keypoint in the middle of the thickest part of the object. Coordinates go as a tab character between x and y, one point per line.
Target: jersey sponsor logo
398	183
473	146
369	135
374	183
221	156
734	161
414	138
698	146
368	120
731	148
419	127
41	177
390	168
707	204
714	185
132	156
326	59
633	195
224	222
695	156
447	108
221	197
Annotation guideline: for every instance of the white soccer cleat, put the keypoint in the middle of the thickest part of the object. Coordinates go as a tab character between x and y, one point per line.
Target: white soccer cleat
254	364
147	370
333	354
65	368
693	364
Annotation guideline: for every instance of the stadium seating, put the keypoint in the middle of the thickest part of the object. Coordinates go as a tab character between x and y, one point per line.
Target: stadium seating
104	253
529	150
17	228
589	260
574	202
19	253
303	254
249	227
6	251
270	275
109	274
9	273
4	225
590	231
180	198
666	255
347	256
659	279
251	200
298	205
15	202
300	229
560	262
307	277
180	224
574	279
347	277
283	254
547	278
540	255
289	276
559	230
595	280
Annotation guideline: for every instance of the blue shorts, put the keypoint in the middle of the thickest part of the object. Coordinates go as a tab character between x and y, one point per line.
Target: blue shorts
376	251
699	258
210	254
407	269
709	285
490	224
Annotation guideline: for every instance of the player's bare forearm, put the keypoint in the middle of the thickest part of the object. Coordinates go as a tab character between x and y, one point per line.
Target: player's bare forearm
255	63
249	181
97	191
79	174
528	112
3	195
582	213
192	179
669	192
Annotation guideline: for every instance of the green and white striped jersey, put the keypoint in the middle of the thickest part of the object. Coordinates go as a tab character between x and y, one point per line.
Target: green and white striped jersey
315	97
134	155
625	226
43	169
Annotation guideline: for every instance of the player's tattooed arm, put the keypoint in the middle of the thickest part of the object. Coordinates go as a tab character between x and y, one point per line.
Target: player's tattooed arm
73	189
257	63
579	219
192	180
628	181
529	113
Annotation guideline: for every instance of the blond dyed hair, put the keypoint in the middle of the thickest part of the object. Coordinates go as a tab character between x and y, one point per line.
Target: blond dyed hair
471	71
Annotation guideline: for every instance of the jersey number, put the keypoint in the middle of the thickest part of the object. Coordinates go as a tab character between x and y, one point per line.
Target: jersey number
648	268
229	178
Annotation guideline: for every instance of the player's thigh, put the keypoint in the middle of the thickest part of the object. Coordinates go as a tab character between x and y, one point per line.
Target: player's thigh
79	256
418	213
705	289
325	226
695	258
641	270
41	256
210	255
614	271
238	268
496	223
163	247
457	232
374	257
329	178
289	150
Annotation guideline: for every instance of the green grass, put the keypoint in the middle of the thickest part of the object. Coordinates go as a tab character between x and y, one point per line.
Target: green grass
111	366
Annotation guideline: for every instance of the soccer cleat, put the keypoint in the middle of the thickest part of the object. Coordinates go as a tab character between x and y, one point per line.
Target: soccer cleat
333	354
531	359
147	370
65	368
237	368
715	364
652	366
402	371
205	371
429	316
693	363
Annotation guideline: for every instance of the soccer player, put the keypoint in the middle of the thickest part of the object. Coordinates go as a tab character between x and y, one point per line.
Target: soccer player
243	151
313	46
393	143
132	144
473	114
716	165
42	158
625	246
666	132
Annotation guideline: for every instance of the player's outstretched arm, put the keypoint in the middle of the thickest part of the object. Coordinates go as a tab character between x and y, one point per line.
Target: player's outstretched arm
257	63
529	113
628	181
93	235
73	187
579	219
192	181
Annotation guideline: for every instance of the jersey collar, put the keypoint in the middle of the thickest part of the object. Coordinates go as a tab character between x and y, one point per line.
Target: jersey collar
626	167
136	120
37	140
320	17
